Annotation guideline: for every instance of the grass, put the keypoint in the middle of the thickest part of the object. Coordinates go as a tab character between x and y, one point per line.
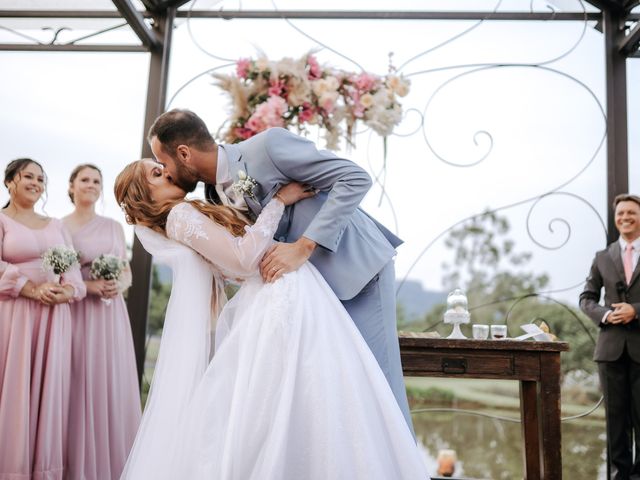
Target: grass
495	395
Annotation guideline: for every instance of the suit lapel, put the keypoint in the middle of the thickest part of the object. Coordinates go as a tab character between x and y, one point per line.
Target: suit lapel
615	256
636	273
234	157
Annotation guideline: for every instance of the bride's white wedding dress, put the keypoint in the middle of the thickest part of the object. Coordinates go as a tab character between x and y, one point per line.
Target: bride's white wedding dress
292	391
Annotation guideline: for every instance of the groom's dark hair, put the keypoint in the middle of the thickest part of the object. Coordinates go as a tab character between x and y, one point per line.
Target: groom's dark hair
180	127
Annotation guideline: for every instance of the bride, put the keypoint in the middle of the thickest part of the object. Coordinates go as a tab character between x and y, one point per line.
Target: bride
291	392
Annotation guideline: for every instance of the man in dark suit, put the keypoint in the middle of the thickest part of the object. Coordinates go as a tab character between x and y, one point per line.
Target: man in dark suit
618	347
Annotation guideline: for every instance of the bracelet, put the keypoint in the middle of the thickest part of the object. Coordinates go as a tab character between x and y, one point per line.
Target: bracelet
279	197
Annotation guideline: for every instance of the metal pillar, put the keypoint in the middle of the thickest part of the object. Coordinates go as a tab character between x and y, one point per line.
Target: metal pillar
138	298
617	147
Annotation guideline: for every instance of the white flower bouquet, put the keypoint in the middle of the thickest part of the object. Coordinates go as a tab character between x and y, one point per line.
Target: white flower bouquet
59	260
107	267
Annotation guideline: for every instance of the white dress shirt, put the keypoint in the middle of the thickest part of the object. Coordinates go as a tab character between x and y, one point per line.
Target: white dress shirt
224	184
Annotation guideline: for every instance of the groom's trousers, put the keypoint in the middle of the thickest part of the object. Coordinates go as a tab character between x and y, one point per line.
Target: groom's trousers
374	312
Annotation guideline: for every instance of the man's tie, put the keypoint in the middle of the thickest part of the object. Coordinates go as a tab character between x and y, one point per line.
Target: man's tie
628	262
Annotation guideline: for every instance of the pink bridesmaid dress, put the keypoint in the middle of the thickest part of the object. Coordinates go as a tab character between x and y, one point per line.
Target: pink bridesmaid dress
105	397
35	356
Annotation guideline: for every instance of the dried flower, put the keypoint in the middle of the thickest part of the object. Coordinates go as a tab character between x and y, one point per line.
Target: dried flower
298	93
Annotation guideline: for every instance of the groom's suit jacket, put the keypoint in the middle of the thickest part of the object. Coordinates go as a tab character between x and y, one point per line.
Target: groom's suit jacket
352	246
607	271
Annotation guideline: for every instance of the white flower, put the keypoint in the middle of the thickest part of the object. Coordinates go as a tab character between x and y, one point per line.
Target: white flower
366	100
107	267
325	85
245	185
399	85
59	259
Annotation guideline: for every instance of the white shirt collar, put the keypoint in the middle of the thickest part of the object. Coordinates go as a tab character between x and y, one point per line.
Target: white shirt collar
635	243
222	169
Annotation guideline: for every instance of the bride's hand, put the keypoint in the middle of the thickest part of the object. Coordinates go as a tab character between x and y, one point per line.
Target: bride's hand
294	192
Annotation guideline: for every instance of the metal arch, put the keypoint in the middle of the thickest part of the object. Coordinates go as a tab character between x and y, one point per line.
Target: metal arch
629	44
616	6
136	21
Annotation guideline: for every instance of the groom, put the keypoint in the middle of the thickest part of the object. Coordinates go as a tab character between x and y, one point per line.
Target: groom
352	251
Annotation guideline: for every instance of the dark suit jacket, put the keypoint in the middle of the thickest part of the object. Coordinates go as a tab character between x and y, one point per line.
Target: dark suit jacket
607	271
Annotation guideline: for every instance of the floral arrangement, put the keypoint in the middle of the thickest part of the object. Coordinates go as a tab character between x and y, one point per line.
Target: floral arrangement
59	259
245	184
107	267
301	92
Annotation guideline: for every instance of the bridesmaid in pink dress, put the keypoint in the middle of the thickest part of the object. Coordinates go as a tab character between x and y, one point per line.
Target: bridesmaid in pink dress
105	398
35	334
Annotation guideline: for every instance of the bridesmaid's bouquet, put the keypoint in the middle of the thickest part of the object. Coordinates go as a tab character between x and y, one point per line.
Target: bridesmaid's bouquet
59	260
107	267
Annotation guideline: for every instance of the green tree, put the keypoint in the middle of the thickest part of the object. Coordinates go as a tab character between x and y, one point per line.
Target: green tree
501	289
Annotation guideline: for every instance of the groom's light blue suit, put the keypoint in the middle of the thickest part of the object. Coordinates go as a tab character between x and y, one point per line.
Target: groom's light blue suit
354	254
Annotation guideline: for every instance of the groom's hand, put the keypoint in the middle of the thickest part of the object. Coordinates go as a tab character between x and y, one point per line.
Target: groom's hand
283	258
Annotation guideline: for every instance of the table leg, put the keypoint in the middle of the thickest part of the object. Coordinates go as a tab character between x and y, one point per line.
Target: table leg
530	431
550	416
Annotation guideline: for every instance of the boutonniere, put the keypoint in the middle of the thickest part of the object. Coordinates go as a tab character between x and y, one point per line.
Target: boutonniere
245	185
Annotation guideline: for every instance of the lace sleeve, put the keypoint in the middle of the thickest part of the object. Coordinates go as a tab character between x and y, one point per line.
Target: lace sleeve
236	256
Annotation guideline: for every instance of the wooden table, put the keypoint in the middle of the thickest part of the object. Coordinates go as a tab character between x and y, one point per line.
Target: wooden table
536	365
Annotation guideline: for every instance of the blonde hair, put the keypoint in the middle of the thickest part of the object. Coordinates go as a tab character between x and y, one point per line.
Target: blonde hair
134	197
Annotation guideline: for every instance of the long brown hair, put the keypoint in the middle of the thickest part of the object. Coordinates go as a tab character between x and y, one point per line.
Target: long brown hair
134	196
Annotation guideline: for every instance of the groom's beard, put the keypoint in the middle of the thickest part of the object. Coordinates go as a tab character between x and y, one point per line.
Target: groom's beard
186	177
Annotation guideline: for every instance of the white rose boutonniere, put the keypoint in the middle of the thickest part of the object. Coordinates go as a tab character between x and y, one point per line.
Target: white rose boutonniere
245	185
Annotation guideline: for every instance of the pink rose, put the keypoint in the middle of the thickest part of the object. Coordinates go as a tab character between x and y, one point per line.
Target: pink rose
276	88
243	133
327	101
364	81
314	68
255	123
268	114
243	66
306	113
358	110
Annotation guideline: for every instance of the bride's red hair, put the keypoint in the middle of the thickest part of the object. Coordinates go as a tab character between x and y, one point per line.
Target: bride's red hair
132	192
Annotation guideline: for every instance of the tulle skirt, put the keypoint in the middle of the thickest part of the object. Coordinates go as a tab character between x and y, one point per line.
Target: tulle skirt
292	392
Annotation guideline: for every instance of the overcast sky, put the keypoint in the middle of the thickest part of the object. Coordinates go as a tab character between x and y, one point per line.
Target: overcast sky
63	109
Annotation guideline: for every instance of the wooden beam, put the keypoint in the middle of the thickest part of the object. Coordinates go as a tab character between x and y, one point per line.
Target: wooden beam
387	15
60	14
615	6
631	41
617	136
136	21
45	47
139	293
